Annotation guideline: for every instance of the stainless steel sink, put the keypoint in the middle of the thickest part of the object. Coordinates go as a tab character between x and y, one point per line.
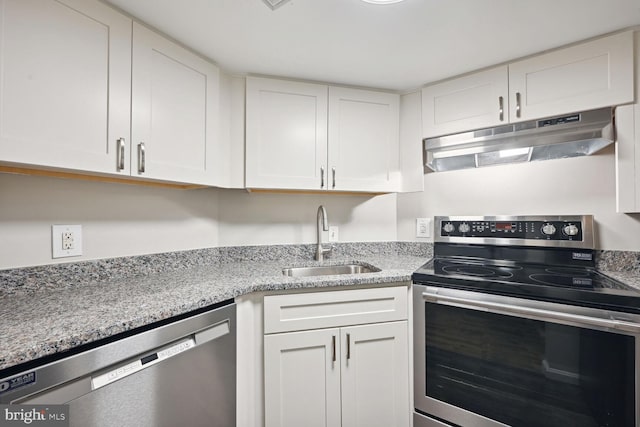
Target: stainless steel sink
327	270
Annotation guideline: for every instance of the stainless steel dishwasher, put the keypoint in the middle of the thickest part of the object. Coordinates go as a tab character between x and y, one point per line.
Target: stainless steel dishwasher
178	373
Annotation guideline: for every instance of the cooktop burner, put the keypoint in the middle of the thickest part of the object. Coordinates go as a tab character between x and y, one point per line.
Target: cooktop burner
533	257
464	269
577	286
531	274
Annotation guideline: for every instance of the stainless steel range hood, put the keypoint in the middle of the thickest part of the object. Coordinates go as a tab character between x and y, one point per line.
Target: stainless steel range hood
571	135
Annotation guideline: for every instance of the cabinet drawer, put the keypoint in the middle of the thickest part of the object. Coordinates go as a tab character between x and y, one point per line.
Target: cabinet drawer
295	312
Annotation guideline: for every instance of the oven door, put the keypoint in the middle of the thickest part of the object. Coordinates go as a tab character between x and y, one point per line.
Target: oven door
486	360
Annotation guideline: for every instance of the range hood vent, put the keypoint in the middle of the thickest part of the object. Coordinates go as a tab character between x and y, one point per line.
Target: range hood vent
572	135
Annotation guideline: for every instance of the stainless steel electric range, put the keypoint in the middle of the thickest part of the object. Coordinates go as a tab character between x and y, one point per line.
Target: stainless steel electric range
514	326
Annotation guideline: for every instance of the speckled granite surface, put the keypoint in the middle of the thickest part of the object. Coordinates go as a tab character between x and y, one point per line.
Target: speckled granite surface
620	265
618	261
48	309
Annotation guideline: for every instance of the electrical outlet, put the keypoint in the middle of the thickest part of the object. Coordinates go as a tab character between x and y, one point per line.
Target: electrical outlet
333	233
423	227
66	240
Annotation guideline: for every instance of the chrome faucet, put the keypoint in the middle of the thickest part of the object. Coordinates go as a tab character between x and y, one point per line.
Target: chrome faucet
323	222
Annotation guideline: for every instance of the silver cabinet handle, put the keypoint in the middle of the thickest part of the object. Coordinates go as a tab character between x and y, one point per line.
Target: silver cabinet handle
333	348
518	105
120	154
501	110
348	346
141	158
530	312
333	172
321	176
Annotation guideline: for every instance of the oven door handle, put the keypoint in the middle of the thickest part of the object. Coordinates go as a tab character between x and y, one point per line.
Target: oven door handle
531	313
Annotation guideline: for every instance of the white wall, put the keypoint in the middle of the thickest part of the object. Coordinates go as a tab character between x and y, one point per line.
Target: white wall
576	186
117	219
124	220
268	218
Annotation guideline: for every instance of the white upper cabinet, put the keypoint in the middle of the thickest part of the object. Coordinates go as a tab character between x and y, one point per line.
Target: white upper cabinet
174	110
286	134
582	77
628	148
304	136
65	87
81	92
474	101
363	140
590	75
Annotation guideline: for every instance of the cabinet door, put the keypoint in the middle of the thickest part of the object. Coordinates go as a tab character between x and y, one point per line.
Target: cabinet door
475	101
174	110
302	379
375	375
583	77
66	74
286	138
364	140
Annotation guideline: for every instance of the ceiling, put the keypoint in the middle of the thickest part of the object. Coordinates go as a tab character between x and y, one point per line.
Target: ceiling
397	46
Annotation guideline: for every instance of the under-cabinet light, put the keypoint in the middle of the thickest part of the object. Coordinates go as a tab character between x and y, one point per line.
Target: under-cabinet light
514	152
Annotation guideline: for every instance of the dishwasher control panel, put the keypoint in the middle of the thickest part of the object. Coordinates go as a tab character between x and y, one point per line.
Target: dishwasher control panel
138	364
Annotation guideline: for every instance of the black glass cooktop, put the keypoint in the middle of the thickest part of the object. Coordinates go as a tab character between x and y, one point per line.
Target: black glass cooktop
583	286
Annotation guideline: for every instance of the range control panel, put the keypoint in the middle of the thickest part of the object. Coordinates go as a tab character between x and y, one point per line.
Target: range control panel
512	229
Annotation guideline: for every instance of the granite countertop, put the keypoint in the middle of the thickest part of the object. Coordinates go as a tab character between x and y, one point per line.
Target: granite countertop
43	313
46	310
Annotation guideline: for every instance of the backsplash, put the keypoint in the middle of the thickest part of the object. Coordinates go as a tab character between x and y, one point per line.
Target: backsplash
618	261
72	274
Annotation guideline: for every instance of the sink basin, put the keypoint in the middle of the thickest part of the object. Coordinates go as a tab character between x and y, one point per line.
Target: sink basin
326	270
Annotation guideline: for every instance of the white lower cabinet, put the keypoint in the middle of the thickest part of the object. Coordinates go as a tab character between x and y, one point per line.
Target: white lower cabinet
349	376
302	381
374	375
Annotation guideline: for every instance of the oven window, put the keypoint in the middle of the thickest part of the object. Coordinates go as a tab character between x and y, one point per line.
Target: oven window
529	373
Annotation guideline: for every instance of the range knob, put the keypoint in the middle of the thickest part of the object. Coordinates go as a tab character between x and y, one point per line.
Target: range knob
464	228
448	227
548	229
570	230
